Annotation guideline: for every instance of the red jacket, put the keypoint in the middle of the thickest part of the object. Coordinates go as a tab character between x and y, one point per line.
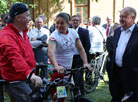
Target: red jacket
16	54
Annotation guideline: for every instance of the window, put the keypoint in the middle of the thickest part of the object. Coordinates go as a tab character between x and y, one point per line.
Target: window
82	8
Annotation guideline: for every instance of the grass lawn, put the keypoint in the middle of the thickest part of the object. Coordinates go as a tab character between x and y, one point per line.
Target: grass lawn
101	94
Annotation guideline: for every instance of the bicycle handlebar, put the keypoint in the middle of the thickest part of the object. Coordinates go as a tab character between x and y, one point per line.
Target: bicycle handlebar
58	81
67	71
38	65
2	81
28	79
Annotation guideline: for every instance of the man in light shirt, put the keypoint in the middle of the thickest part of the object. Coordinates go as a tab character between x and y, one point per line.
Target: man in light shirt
124	80
97	35
36	35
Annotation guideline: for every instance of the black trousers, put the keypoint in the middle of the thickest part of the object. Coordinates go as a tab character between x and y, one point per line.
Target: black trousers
109	72
78	77
124	81
1	91
41	56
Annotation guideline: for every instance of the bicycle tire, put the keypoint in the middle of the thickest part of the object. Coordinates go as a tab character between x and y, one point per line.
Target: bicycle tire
84	99
91	80
79	99
74	93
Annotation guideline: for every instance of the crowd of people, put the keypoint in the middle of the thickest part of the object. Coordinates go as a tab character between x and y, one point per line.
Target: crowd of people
67	45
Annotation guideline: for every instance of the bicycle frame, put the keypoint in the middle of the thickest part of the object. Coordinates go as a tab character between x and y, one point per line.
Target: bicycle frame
102	57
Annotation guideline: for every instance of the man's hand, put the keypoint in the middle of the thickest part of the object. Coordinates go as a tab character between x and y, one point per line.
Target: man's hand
36	80
87	66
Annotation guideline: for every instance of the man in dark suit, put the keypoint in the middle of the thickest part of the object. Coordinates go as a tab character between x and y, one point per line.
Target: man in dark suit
125	55
84	37
108	26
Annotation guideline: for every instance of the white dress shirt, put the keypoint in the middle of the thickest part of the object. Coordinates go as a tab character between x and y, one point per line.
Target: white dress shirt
36	33
76	52
122	43
96	38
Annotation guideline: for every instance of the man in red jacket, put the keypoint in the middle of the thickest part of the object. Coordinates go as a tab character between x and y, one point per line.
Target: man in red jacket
16	54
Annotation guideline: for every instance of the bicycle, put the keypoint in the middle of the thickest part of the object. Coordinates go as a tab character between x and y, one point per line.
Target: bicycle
92	79
44	93
2	82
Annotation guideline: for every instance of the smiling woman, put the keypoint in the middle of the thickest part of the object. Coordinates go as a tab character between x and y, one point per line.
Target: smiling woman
61	47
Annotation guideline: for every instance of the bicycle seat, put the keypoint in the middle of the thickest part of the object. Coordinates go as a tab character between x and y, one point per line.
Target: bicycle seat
98	53
95	54
41	65
3	81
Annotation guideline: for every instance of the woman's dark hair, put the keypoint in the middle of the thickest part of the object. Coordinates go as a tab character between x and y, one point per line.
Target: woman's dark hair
64	16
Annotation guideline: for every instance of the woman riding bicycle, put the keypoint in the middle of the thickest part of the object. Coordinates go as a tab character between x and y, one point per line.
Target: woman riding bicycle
61	47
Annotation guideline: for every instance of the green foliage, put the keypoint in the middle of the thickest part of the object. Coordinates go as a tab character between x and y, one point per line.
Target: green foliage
5	5
58	3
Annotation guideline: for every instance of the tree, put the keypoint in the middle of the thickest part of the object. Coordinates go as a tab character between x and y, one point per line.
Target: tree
5	4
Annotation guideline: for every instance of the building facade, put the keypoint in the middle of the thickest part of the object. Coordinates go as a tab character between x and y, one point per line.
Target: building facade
86	8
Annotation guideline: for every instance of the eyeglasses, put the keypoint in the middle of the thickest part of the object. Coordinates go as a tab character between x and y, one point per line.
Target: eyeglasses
75	20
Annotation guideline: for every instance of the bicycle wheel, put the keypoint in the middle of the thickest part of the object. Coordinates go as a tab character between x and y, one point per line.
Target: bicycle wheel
75	94
84	99
77	98
91	79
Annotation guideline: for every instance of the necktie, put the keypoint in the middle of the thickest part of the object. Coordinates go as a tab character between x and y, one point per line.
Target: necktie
107	31
39	34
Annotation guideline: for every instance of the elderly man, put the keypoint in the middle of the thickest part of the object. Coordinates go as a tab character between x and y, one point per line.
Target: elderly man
16	54
39	37
84	37
38	32
44	20
125	56
108	26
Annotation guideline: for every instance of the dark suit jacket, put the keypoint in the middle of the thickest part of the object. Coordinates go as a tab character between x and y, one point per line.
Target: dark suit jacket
106	26
129	71
84	37
109	46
